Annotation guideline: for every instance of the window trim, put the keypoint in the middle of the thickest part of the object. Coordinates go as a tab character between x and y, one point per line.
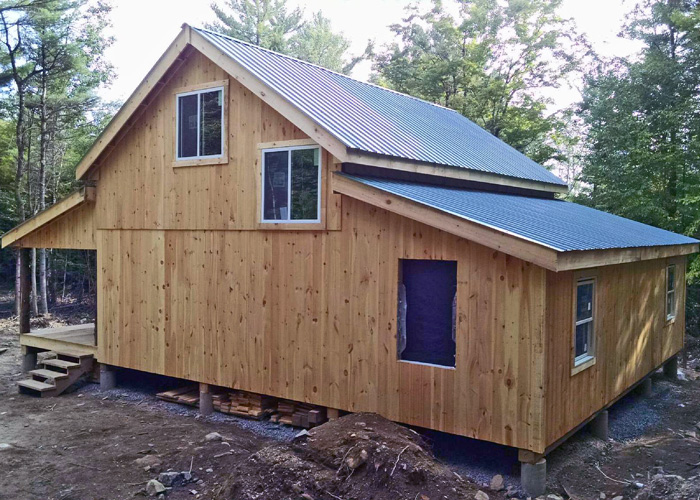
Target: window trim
288	221
218	159
580	363
671	316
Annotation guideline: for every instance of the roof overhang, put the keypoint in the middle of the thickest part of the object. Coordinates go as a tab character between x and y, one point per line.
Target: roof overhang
13	236
175	55
503	241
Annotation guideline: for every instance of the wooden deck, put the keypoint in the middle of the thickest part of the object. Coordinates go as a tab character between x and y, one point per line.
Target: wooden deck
79	339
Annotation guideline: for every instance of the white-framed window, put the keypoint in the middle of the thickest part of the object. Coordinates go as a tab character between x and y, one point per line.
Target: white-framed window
200	124
291	184
670	292
584	325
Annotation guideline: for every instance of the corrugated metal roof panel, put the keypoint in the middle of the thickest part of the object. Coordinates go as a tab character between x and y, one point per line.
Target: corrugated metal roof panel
376	120
560	225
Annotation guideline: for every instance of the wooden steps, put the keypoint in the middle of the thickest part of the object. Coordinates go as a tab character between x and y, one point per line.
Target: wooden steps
48	374
56	374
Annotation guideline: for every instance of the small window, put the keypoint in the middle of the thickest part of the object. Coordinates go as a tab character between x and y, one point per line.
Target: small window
200	124
583	336
670	292
291	185
427	311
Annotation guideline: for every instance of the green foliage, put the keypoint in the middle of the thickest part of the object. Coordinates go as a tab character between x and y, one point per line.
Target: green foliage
489	60
643	117
51	65
268	24
644	122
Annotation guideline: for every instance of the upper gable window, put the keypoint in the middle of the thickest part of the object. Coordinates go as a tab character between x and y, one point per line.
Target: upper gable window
200	124
291	180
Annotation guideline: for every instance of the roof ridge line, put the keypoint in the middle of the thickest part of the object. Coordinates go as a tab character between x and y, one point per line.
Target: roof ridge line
307	63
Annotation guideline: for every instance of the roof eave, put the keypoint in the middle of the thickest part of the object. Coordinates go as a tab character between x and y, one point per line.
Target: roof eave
518	246
58	209
586	259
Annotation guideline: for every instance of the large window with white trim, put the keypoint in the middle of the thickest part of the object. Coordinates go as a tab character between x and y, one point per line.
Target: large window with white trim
291	184
200	124
670	292
584	326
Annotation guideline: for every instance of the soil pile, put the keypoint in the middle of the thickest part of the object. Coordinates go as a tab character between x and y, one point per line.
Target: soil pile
671	487
361	456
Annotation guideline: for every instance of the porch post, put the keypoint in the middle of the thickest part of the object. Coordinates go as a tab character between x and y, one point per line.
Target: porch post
25	291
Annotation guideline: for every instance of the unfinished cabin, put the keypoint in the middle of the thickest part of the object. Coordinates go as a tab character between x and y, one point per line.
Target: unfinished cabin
267	225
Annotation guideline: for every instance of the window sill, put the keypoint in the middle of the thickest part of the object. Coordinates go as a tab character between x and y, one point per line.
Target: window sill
671	320
291	226
219	160
583	364
444	367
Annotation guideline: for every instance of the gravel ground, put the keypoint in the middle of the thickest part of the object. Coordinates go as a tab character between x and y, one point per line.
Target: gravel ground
144	395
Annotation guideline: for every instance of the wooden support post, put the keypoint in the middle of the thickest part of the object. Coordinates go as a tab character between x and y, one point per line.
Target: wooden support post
599	425
206	403
25	289
332	413
671	368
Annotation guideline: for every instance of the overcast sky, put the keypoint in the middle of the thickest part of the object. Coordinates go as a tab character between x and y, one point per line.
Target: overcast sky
144	28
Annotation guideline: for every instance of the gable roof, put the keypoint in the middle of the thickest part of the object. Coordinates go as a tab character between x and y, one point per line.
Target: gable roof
376	120
357	122
559	227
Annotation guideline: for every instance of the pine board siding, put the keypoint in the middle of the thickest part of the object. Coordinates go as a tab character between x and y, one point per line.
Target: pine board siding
311	316
139	188
74	229
632	337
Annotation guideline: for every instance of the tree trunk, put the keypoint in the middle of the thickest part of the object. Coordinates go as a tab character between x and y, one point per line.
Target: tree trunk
43	145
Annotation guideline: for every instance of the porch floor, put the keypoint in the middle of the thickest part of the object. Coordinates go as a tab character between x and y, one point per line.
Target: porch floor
78	339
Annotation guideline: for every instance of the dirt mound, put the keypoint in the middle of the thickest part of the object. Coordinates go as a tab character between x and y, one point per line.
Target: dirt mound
360	456
671	487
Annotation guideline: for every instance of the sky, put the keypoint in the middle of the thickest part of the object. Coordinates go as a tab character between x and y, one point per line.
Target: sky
143	29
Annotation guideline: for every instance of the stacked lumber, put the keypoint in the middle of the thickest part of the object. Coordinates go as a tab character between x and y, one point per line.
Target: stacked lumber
245	404
299	414
252	405
187	395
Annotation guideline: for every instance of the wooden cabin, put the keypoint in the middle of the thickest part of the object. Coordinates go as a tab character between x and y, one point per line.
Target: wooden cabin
267	225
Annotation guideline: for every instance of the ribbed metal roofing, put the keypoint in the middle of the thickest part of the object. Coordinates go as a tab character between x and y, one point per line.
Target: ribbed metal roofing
560	225
373	119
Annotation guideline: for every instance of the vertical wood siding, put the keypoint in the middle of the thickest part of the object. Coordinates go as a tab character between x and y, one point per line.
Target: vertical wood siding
75	229
311	316
632	338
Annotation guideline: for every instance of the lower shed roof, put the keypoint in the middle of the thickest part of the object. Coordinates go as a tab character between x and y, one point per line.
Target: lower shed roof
561	226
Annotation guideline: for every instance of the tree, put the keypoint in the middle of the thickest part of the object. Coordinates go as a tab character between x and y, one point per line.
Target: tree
490	62
268	24
50	68
644	122
265	23
317	43
643	117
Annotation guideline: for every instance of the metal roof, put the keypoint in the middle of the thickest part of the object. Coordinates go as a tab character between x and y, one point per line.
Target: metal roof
376	120
557	224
